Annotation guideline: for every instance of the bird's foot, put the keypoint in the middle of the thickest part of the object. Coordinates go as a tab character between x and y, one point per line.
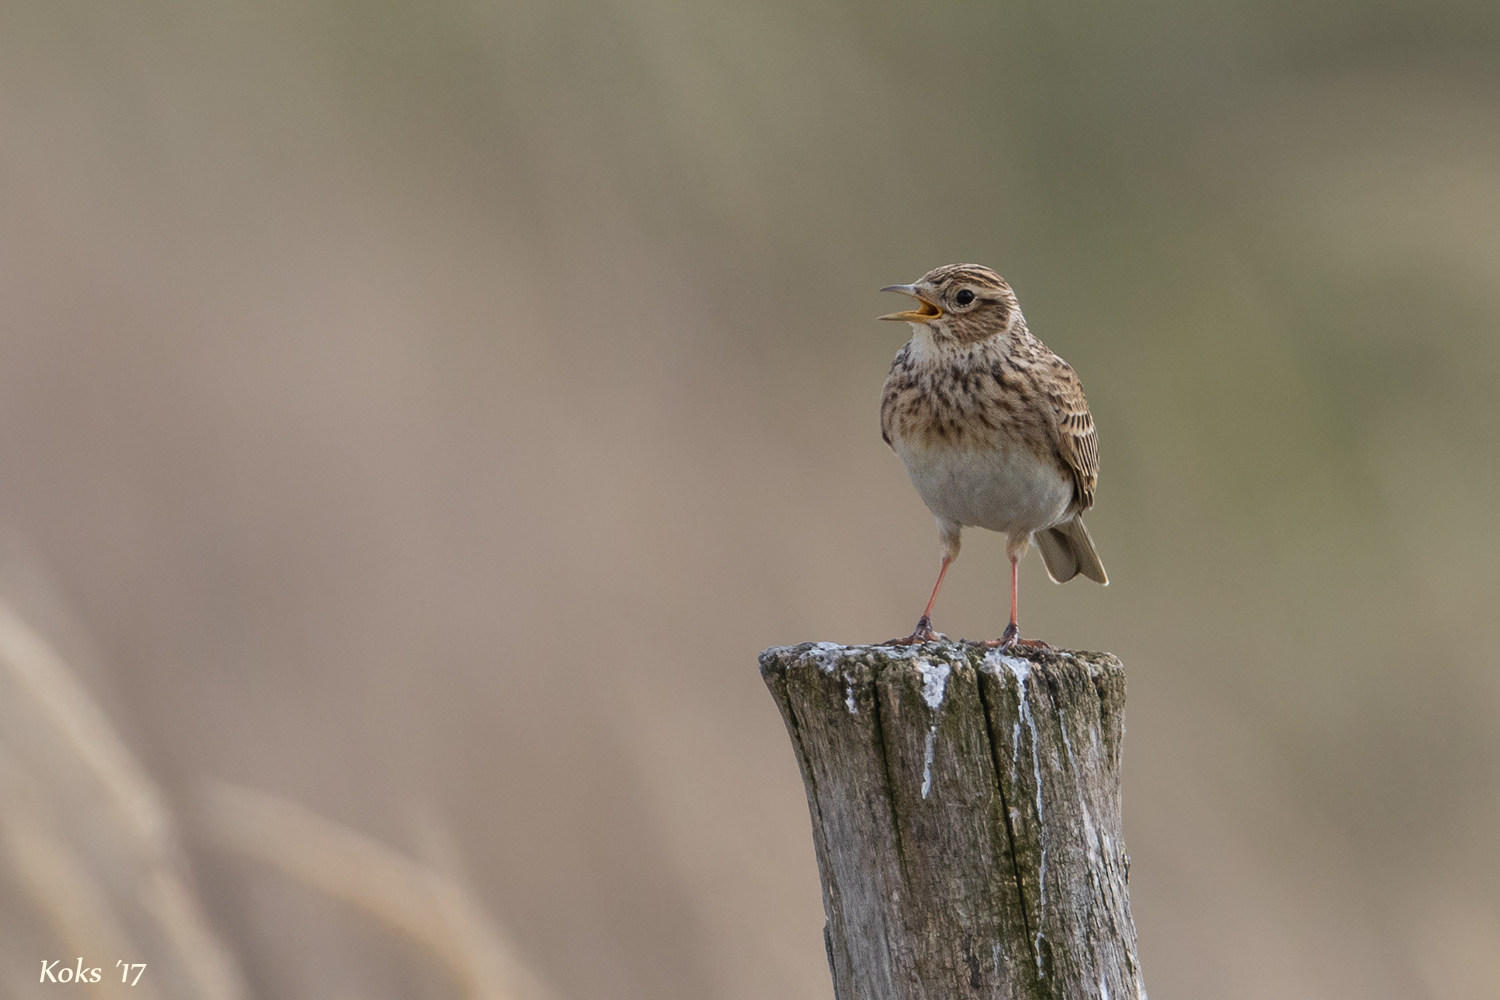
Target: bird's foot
1012	637
922	633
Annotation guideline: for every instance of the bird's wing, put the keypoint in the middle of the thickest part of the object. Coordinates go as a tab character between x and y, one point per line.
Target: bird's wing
1076	438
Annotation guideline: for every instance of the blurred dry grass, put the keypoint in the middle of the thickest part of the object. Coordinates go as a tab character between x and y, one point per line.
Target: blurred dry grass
431	409
432	909
89	841
91	844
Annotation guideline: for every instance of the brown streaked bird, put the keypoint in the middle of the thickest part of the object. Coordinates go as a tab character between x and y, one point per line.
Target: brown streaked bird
993	428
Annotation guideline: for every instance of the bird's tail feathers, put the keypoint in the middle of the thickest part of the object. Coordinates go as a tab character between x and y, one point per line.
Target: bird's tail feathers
1068	550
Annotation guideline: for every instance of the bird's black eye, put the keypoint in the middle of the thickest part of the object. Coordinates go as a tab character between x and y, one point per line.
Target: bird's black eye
964	297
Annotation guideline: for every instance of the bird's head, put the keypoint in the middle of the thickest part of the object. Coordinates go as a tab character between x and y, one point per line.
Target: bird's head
959	303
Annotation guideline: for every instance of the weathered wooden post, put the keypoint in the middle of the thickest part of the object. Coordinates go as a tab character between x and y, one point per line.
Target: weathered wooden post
966	816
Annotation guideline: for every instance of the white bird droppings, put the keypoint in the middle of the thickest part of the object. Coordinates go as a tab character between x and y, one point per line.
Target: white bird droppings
927	760
934	688
934	682
827	655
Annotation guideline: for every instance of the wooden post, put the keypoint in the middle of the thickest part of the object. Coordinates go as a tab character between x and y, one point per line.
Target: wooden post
966	816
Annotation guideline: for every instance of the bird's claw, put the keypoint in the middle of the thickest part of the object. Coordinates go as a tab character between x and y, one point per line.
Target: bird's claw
922	633
1011	637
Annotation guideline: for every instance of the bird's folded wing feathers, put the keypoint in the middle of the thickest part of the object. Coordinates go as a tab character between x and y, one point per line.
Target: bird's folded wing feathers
1076	438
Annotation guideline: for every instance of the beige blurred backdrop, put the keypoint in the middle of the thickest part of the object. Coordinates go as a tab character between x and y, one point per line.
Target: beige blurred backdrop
423	413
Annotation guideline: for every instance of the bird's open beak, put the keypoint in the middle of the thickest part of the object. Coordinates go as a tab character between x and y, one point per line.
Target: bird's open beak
926	314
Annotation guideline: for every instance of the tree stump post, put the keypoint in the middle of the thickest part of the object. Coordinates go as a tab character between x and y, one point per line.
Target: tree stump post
966	816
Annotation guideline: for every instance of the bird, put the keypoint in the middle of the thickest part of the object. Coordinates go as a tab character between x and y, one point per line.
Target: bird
994	431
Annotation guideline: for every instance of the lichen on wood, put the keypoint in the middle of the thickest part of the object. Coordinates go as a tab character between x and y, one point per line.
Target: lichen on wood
966	818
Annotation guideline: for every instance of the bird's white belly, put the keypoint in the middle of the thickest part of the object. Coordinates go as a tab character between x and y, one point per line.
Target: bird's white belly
1010	490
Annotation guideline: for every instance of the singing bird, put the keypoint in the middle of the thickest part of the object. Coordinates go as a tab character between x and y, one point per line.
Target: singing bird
993	429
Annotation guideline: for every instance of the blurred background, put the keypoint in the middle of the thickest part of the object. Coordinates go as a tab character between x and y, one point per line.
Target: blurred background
415	418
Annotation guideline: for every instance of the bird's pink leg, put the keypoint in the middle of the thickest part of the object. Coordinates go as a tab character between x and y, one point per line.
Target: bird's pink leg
923	632
927	614
1015	595
1012	634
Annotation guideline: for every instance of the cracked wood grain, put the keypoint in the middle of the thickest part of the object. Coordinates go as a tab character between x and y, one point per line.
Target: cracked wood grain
966	818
